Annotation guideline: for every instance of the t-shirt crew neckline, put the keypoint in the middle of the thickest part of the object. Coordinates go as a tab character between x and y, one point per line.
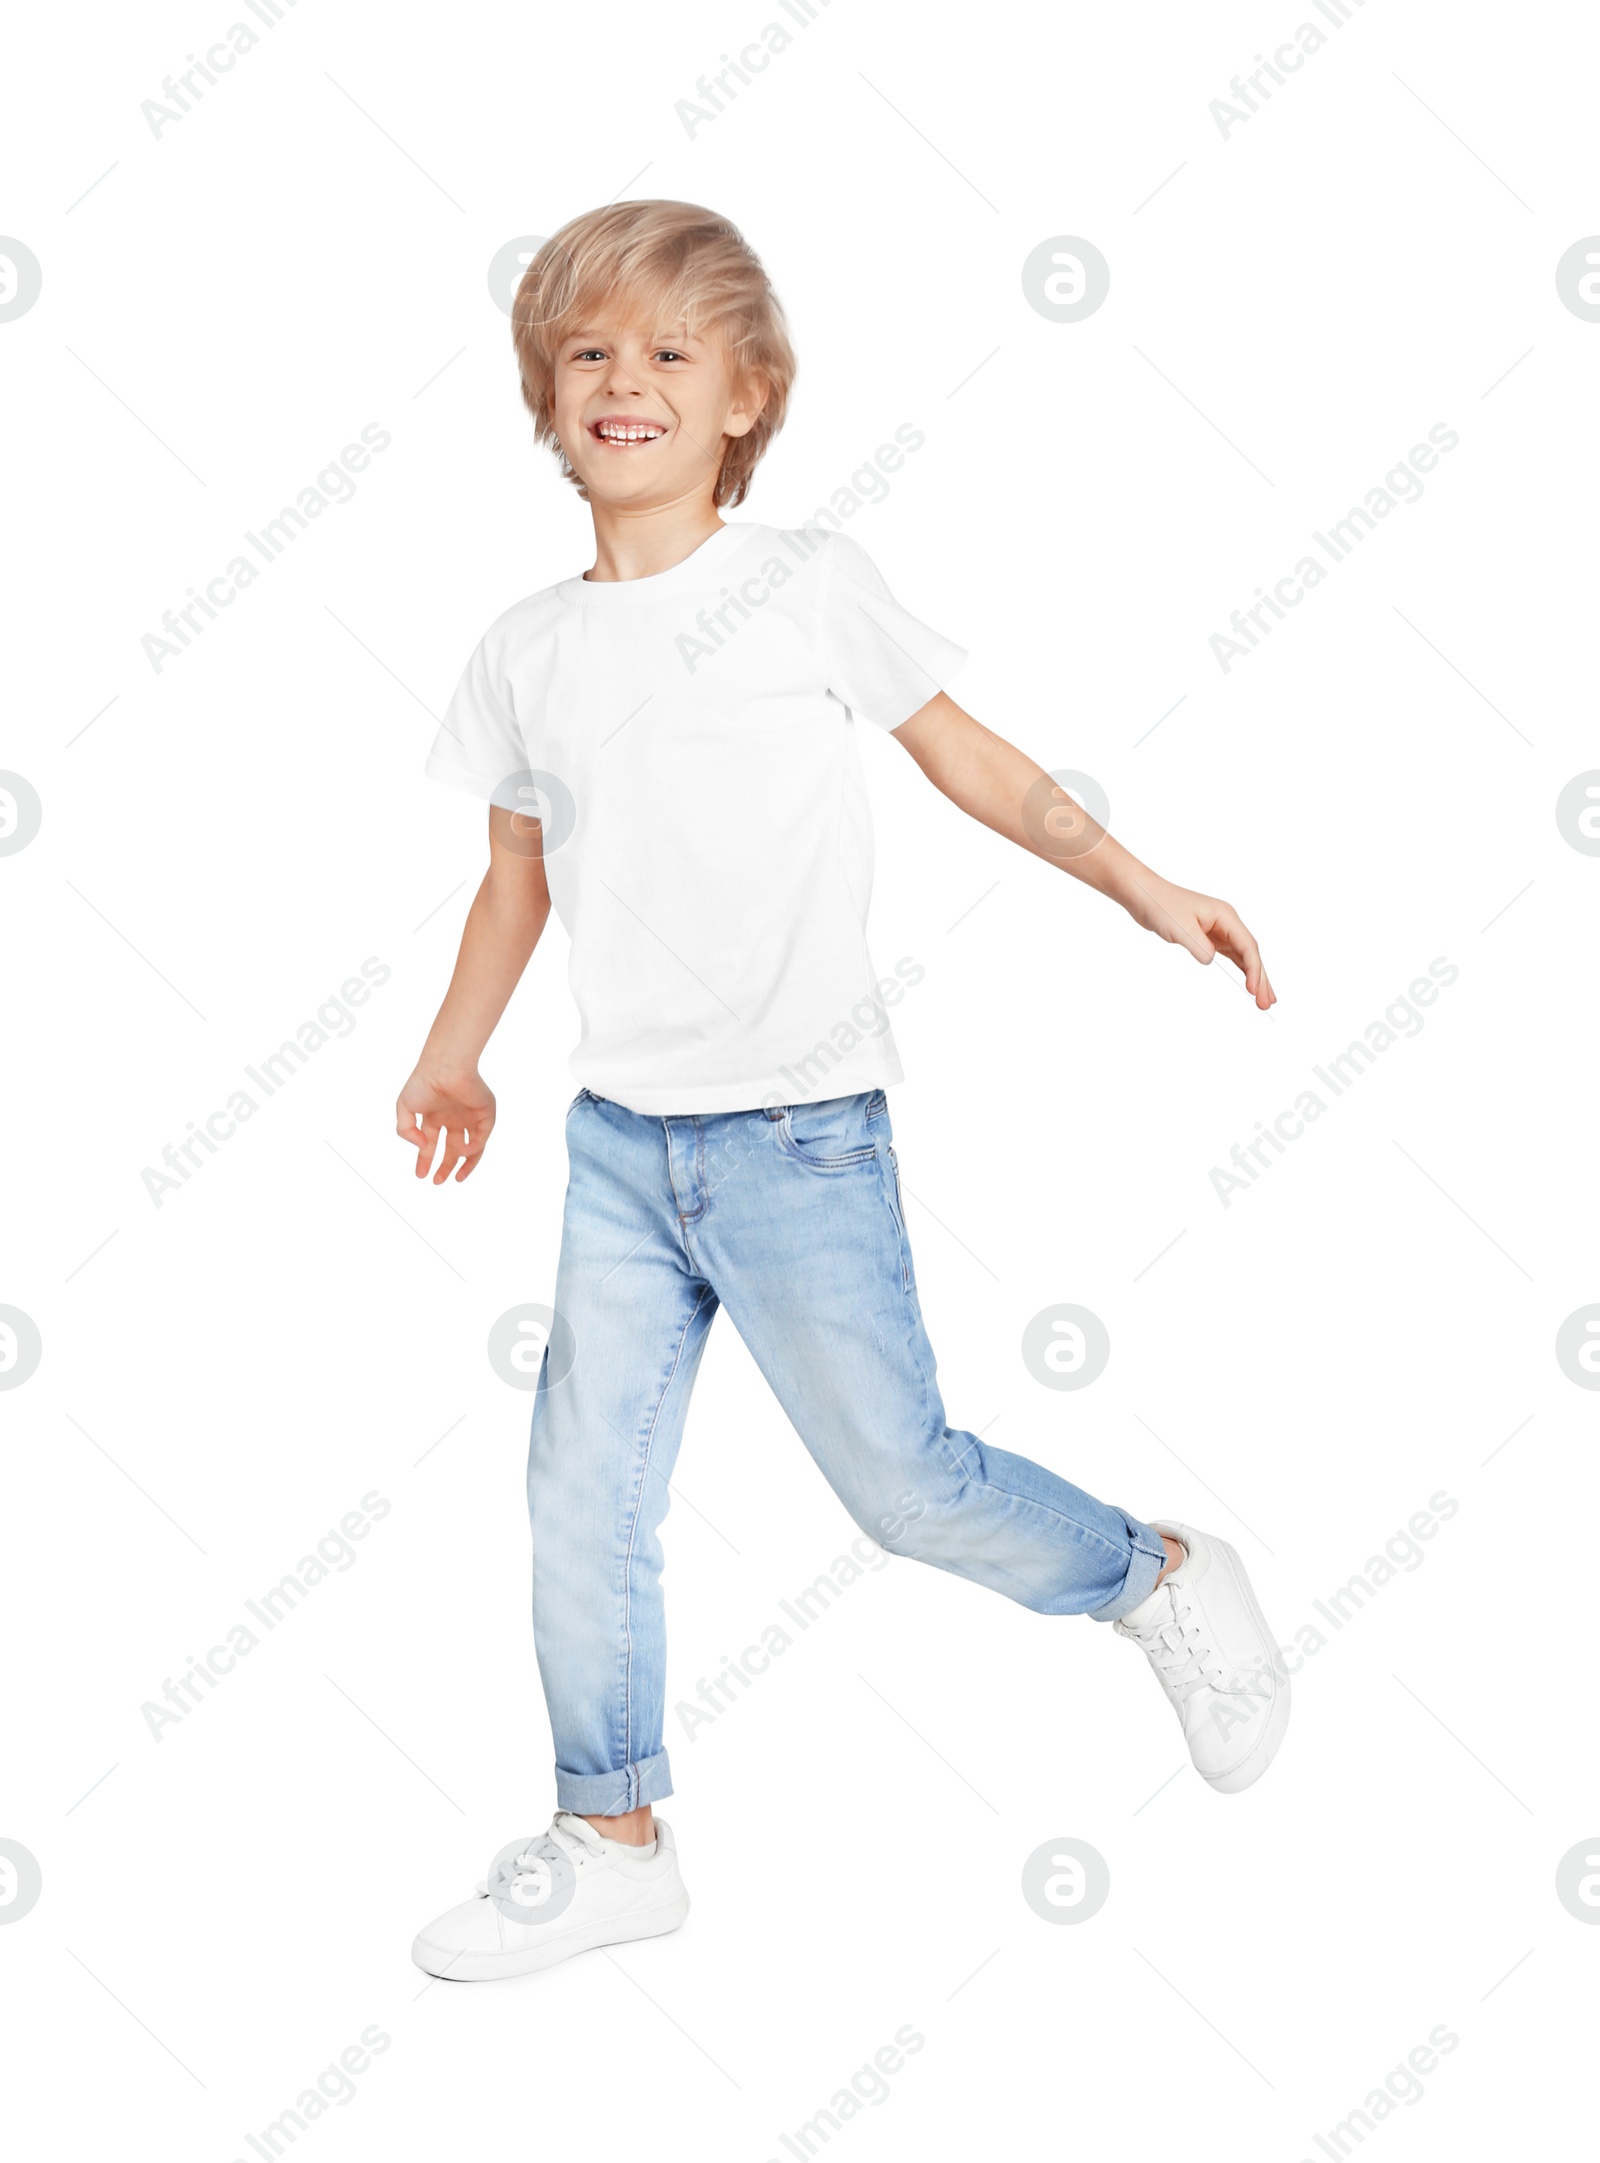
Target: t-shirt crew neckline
681	577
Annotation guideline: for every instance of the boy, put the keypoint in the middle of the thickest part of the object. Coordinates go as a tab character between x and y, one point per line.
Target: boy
667	748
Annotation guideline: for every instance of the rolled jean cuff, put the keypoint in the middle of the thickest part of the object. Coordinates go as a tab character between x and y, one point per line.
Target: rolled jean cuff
613	1794
1145	1565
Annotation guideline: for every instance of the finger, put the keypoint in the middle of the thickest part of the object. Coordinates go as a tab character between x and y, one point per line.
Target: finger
480	1127
458	1151
1233	939
1245	952
425	1146
1191	937
1255	975
453	1142
1190	934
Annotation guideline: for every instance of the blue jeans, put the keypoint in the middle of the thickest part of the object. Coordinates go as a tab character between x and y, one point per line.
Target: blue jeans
792	1219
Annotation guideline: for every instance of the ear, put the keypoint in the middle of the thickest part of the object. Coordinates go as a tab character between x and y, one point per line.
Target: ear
750	395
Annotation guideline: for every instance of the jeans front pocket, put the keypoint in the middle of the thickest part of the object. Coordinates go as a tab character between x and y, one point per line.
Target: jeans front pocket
822	1135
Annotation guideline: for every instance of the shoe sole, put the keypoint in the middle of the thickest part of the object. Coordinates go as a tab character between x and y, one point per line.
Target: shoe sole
530	1959
1265	1747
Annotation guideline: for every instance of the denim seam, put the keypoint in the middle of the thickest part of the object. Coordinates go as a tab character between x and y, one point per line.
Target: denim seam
1056	1517
683	1215
791	1148
897	1210
633	1528
1097	1614
631	1776
1083	1531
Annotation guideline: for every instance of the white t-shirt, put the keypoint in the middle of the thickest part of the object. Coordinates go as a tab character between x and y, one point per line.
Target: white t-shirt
687	742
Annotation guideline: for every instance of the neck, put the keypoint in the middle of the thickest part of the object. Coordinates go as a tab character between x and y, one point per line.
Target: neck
636	543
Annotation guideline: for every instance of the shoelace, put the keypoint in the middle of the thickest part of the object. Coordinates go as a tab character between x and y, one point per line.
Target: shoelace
553	1846
1179	1653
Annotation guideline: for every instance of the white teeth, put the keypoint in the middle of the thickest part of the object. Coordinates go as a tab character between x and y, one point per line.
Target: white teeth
624	433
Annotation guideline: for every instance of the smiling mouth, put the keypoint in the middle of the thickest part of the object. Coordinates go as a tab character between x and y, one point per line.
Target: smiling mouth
625	434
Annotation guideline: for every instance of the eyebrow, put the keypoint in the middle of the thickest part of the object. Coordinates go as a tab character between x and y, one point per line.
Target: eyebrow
589	337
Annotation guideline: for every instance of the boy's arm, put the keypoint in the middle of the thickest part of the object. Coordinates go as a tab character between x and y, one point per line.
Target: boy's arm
446	1095
1002	788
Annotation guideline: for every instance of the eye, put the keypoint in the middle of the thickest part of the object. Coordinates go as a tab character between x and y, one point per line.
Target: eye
592	352
671	353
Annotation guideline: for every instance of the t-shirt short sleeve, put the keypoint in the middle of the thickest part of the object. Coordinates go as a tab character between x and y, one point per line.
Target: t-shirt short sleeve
479	744
881	660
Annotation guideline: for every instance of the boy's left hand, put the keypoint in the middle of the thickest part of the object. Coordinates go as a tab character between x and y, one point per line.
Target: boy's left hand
1204	926
1010	793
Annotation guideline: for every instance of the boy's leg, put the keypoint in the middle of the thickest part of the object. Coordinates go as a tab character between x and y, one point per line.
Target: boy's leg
604	1440
806	1245
808	1253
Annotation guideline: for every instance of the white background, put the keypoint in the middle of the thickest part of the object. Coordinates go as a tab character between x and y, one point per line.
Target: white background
224	842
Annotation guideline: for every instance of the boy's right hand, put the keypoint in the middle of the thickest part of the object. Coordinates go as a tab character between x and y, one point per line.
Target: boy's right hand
459	1107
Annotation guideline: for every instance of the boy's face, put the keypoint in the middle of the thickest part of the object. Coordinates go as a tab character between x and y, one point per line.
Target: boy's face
643	415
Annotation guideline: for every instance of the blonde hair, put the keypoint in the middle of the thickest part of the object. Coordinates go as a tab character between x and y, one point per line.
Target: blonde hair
681	264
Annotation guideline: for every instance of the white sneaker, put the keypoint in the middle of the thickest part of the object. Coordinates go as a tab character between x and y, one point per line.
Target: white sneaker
1203	1632
558	1893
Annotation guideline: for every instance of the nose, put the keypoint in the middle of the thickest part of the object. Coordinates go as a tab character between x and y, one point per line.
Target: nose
619	380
